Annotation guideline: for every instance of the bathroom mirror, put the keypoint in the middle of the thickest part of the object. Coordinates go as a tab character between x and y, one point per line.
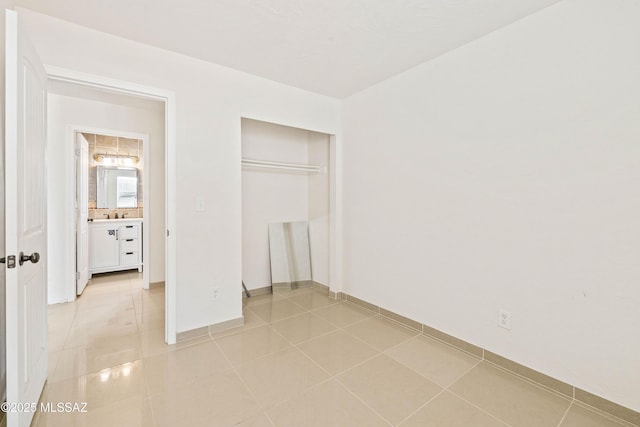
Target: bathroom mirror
289	253
117	187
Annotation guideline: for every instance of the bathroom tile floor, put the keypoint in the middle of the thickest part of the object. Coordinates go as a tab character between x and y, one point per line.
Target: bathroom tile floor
301	359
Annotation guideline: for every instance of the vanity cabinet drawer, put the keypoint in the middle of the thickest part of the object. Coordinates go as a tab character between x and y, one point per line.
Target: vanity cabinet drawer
128	232
128	245
129	258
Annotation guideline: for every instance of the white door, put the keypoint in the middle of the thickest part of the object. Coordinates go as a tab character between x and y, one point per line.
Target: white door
82	213
26	275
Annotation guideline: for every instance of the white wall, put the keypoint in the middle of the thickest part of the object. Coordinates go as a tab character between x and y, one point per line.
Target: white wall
269	196
210	100
77	108
505	174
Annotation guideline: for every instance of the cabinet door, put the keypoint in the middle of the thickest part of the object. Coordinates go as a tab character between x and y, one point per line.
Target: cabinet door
104	247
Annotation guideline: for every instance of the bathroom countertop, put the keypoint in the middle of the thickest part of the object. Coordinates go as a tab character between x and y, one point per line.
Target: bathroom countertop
103	220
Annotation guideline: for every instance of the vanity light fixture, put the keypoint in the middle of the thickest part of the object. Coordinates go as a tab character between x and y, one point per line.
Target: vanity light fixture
116	159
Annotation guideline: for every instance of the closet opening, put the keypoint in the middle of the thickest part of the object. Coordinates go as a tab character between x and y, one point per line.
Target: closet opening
287	207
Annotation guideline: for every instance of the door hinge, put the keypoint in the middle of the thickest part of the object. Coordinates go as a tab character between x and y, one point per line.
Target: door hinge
77	152
77	275
167	233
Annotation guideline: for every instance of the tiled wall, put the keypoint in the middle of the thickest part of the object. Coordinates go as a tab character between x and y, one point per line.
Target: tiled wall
104	144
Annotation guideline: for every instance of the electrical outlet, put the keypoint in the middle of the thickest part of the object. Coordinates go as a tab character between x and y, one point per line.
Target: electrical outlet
216	293
504	318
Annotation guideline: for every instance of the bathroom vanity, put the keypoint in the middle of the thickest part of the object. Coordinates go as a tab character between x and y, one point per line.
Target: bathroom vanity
115	245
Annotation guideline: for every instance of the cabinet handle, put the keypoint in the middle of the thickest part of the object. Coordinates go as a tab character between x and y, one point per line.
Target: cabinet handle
116	234
129	240
129	226
129	253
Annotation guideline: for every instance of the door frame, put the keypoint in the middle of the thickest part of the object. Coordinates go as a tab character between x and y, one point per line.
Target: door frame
169	99
72	131
77	164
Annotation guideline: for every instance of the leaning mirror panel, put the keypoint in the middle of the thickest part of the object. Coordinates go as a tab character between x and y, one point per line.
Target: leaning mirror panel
289	254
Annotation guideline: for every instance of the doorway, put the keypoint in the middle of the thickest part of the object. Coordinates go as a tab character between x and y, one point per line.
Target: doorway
113	227
113	101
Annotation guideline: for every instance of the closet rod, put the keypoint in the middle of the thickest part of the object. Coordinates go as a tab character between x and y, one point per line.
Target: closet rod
284	166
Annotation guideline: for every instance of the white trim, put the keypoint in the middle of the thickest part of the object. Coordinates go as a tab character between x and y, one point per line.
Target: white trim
112	85
335	215
170	288
168	97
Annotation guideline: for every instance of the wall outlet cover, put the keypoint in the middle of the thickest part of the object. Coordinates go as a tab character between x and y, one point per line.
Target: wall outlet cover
504	318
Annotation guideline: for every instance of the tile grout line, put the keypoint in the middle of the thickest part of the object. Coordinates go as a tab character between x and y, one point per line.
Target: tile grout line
292	346
465	373
607	415
422	406
448	388
478	407
138	333
342	328
566	412
483	350
362	401
271	353
235	371
284	318
420	374
313	338
530	381
334	376
84	346
379	353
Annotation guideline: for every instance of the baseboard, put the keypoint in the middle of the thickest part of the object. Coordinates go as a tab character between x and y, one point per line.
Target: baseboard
229	324
568	390
257	291
192	334
155	285
211	329
286	285
292	285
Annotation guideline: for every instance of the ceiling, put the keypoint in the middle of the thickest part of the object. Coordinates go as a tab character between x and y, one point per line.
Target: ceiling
331	47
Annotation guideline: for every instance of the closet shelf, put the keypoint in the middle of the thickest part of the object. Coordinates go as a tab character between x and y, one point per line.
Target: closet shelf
283	166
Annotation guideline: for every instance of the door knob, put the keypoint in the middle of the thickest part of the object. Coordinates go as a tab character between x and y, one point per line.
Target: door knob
34	258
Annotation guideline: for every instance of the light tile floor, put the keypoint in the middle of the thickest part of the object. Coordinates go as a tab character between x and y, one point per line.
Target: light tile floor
301	359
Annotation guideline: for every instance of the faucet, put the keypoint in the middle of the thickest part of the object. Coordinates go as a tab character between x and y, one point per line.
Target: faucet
107	215
123	214
116	217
